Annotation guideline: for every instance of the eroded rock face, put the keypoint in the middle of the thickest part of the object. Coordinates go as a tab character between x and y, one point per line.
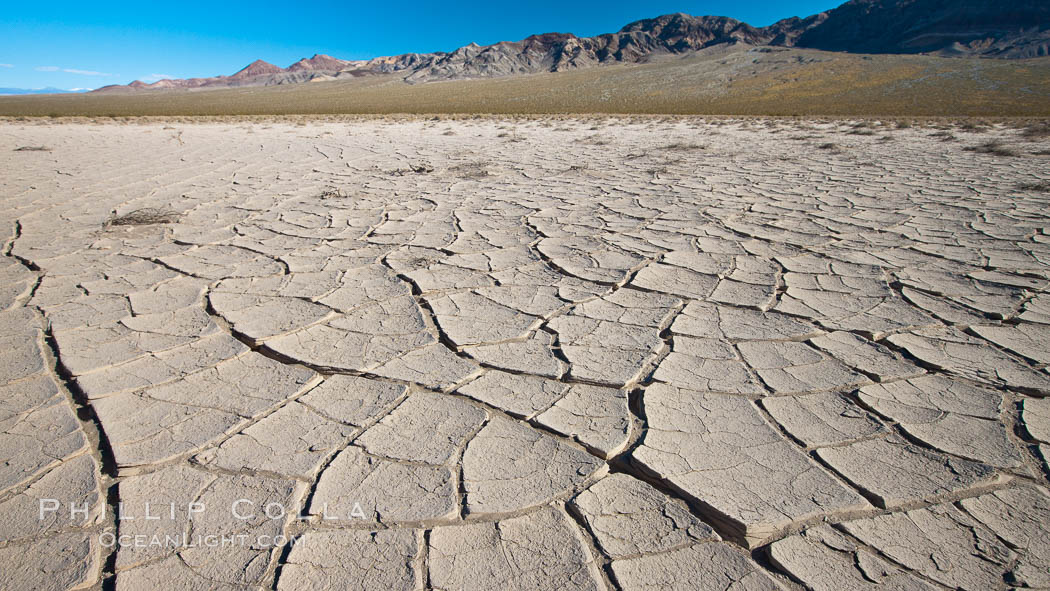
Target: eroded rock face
619	357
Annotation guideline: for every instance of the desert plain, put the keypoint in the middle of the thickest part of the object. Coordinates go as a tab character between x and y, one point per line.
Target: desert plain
524	353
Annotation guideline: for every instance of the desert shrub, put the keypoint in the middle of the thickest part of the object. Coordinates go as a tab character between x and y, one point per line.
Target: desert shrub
1037	130
144	217
594	140
1039	187
332	193
472	170
994	147
682	147
421	168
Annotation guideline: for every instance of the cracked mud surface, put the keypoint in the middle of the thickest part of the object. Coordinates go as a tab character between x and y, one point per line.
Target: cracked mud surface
494	354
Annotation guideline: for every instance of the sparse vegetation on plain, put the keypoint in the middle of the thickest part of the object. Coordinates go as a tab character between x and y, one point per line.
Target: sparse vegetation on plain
820	83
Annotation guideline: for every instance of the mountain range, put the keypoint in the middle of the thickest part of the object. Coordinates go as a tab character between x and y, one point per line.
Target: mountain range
962	28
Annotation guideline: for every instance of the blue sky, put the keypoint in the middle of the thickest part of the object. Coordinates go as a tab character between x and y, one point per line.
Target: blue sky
88	44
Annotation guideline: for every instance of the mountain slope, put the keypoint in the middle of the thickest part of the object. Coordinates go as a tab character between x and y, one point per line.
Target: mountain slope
1012	29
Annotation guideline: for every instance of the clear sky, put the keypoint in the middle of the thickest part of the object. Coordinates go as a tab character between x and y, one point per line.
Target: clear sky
86	44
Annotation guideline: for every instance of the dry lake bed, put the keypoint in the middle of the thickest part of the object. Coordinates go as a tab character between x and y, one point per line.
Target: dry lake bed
544	353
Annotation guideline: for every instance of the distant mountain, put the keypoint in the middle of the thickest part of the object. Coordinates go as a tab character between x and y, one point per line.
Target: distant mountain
964	28
49	90
257	68
320	62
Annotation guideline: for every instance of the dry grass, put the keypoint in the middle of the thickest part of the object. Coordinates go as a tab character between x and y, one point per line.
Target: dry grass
1037	131
594	140
994	147
974	126
1036	187
682	147
333	193
421	168
861	128
471	170
144	217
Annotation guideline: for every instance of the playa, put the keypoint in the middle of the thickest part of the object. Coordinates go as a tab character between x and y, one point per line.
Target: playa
524	353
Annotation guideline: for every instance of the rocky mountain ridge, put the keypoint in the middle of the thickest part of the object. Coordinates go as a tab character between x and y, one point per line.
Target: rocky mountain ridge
964	28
